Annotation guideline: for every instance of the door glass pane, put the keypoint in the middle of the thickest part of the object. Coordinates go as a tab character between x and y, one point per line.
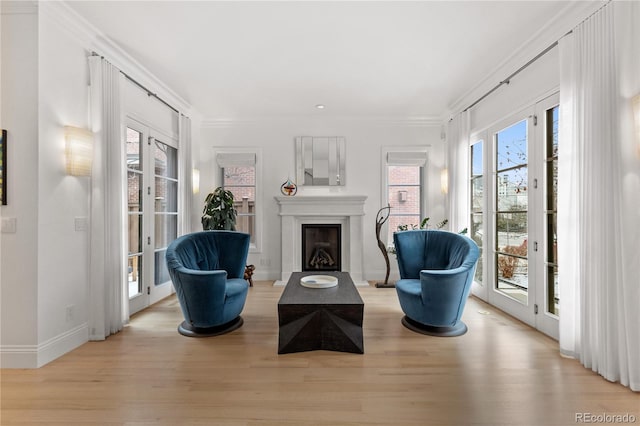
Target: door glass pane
552	209
477	231
166	160
552	180
134	149
477	194
512	231
166	195
134	191
513	277
477	202
135	275
476	159
165	206
512	203
512	146
160	273
554	300
166	229
134	234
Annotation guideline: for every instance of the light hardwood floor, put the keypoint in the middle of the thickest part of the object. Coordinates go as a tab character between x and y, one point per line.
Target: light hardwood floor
500	373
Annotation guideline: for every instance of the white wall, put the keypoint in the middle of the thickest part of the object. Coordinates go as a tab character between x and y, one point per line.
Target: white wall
19	263
364	139
44	265
62	250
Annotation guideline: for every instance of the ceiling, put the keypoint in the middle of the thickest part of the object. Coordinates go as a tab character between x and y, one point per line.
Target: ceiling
244	60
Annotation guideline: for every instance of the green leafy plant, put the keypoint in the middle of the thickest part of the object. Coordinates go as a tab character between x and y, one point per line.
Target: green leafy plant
219	212
424	224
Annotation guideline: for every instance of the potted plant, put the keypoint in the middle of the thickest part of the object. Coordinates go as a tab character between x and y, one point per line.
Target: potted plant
219	212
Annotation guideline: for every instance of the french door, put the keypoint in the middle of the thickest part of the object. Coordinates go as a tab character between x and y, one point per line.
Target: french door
152	211
516	200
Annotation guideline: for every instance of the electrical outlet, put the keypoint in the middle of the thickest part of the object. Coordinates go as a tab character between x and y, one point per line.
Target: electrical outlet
70	313
265	261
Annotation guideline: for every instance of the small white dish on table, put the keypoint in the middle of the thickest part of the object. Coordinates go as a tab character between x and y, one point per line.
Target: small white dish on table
319	281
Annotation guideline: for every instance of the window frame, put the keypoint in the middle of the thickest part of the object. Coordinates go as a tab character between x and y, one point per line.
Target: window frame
256	246
384	173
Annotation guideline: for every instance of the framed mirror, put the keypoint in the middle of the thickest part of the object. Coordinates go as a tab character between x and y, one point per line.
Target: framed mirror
320	161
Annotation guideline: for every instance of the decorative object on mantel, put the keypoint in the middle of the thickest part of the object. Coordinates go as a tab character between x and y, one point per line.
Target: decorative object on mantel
219	213
381	218
289	188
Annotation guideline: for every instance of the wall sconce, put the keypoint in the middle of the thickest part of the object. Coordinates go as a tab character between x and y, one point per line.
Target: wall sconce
195	181
635	102
78	151
444	181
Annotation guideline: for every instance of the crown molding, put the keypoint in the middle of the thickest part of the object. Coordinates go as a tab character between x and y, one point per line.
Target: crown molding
95	41
566	19
225	123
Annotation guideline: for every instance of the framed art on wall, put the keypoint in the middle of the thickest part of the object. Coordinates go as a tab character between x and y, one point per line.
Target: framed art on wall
3	167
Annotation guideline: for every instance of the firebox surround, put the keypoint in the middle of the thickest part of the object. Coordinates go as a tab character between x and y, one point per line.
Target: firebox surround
346	210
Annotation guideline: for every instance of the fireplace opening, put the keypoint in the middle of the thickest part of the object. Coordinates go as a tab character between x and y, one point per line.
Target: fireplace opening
321	249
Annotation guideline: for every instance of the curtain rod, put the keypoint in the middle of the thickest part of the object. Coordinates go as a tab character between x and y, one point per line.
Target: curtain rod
140	85
516	72
535	58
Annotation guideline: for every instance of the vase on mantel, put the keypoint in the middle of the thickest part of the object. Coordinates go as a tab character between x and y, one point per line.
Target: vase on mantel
289	188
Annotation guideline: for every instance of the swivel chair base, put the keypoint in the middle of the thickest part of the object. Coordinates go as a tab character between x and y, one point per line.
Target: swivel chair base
457	330
188	330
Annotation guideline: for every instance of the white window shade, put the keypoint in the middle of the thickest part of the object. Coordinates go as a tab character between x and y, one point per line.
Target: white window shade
236	159
406	158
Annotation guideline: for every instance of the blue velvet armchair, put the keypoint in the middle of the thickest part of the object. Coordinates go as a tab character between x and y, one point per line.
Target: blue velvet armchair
436	273
207	270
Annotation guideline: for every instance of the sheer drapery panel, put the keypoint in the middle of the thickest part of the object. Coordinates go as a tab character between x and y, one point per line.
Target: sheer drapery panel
599	321
108	298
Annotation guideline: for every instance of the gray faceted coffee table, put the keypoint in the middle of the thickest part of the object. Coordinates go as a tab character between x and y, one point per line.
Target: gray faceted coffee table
320	318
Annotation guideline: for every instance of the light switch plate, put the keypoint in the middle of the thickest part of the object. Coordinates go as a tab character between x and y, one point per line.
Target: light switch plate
81	223
9	225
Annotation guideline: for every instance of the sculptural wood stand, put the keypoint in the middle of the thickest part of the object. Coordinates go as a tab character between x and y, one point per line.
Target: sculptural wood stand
381	218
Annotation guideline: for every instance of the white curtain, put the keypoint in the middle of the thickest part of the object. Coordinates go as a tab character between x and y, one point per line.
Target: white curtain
458	170
107	292
599	279
185	206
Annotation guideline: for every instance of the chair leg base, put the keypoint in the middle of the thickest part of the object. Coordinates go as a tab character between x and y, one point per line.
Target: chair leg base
457	330
188	330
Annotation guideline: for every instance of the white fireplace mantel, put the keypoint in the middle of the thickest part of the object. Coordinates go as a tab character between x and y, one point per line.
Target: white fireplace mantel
347	210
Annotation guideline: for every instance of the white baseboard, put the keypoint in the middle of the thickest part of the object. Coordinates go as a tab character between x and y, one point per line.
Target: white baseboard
35	356
19	356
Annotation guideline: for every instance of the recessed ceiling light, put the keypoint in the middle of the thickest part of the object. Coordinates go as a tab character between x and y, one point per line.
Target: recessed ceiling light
320	106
